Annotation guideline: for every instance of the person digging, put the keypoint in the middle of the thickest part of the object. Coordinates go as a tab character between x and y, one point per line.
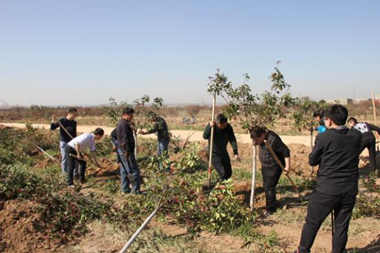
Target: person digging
223	134
270	168
73	153
67	130
368	140
163	136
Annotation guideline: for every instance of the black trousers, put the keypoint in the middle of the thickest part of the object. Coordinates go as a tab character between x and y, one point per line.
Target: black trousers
270	181
71	165
320	206
222	164
370	144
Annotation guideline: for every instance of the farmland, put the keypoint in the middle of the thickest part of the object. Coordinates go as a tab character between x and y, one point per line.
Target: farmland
39	212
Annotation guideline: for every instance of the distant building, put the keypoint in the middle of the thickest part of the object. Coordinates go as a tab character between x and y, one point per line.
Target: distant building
347	101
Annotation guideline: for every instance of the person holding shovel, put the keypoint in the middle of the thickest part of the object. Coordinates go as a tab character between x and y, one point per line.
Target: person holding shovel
70	126
163	136
223	134
368	140
337	154
73	153
270	168
126	150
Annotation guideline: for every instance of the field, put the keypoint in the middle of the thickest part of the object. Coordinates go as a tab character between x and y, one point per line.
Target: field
38	213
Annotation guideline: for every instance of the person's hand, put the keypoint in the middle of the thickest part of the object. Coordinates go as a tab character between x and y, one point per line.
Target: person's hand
126	155
53	118
286	170
237	158
142	132
79	158
212	123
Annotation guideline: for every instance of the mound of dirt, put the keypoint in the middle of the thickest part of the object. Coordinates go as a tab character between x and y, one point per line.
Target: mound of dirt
22	230
300	159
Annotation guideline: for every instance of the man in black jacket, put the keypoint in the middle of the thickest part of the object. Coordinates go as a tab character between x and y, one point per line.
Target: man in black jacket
126	150
270	169
336	151
70	125
368	139
223	133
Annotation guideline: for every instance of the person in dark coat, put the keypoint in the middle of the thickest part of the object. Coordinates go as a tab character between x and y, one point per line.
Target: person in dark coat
336	151
223	134
368	140
270	169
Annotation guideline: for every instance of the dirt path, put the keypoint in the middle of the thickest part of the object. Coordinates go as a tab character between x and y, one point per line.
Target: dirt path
197	136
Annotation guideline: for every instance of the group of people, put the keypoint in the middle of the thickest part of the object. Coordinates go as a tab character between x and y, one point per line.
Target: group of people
336	152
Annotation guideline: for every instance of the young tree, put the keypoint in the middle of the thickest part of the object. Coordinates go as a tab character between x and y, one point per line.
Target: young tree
142	107
303	116
251	109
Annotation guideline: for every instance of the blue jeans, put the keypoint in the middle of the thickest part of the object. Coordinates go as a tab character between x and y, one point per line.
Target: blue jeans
115	144
64	161
131	168
162	149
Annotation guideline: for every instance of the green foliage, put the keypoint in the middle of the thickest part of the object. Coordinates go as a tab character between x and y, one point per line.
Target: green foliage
366	206
253	109
370	183
191	161
19	145
141	106
218	211
303	112
104	147
112	186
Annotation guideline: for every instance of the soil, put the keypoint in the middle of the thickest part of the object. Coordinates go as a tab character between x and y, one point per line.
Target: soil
22	230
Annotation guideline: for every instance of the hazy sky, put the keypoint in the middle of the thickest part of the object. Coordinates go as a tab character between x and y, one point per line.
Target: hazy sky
83	52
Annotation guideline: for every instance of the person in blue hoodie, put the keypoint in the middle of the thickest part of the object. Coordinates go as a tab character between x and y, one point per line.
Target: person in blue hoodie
318	117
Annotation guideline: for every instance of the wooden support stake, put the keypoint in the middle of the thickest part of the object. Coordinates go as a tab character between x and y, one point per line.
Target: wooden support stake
211	140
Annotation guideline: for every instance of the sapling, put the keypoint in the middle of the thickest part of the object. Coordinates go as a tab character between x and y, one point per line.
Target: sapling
303	116
142	107
251	109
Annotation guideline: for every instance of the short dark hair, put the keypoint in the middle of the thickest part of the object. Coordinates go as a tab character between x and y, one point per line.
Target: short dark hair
338	114
72	110
99	131
221	119
318	113
257	131
128	111
352	119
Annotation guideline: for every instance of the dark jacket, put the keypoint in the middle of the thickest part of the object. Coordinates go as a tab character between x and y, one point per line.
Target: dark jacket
336	151
161	128
114	134
125	138
221	139
366	130
69	125
282	151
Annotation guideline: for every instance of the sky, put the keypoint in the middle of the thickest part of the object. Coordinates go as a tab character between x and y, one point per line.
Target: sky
84	52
